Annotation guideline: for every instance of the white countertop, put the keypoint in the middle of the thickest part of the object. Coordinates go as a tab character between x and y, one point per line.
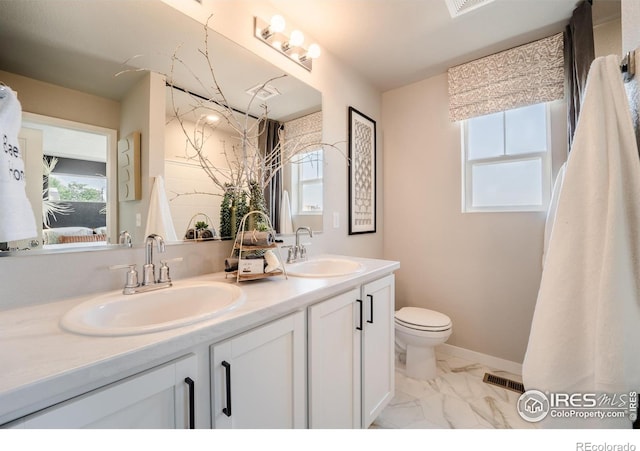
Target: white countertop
43	364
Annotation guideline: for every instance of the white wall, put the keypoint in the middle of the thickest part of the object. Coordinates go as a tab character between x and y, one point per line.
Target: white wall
481	269
630	25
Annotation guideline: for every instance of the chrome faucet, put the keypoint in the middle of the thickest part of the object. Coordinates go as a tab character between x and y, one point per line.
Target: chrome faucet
298	252
125	239
149	281
149	270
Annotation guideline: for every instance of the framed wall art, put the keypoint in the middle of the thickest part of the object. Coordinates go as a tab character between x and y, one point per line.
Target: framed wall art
362	173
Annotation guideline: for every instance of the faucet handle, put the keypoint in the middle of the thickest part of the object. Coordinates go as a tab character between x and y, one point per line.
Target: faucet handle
164	269
132	275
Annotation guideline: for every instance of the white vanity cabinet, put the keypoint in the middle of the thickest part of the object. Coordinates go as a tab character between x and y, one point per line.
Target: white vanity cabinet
162	397
258	377
351	356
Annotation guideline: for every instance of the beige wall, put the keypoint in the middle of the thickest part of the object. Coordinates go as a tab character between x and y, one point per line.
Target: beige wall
607	38
481	269
51	100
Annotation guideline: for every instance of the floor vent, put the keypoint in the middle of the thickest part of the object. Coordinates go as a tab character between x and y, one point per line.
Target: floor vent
503	382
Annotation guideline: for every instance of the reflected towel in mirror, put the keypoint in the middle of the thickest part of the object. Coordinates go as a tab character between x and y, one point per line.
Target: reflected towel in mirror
17	220
159	217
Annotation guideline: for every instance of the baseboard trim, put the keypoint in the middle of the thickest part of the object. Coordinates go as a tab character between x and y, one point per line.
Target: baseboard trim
485	359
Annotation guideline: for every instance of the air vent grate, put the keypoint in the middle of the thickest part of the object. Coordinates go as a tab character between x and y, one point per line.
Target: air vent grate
458	7
503	382
263	92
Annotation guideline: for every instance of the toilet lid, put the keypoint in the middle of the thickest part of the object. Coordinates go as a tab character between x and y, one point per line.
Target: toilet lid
422	318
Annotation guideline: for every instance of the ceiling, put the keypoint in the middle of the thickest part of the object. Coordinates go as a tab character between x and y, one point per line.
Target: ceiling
103	47
389	42
396	42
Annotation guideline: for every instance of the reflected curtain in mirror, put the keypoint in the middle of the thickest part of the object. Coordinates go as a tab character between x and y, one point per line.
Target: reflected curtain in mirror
268	143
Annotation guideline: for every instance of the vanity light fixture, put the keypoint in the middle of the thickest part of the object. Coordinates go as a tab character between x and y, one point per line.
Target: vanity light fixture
291	45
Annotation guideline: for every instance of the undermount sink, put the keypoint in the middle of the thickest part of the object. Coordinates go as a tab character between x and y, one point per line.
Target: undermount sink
117	314
324	267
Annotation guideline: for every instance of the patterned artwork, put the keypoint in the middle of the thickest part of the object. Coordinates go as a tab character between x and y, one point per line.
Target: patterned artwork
530	73
362	173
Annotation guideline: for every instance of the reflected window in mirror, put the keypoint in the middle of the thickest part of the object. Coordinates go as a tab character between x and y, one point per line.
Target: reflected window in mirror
306	176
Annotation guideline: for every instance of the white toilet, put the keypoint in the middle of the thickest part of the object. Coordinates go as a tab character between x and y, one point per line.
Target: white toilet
418	331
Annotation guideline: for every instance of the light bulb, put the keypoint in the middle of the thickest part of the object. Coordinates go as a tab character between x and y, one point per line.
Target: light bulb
296	39
211	118
277	44
314	51
277	24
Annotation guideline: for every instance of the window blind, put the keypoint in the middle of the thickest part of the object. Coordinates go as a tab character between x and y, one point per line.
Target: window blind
524	75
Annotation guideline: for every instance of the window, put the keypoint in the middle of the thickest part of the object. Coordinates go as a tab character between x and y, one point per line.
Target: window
506	160
306	173
77	188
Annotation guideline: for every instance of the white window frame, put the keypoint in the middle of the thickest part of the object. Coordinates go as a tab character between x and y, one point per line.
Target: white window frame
296	182
467	165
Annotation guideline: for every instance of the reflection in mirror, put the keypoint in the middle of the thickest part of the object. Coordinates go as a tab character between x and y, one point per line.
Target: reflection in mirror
67	165
206	156
193	194
61	45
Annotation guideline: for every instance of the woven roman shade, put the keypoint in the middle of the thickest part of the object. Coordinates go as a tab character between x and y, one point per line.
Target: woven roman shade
524	75
301	133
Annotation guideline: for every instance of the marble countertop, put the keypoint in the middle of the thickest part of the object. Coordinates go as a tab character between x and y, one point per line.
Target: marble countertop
43	364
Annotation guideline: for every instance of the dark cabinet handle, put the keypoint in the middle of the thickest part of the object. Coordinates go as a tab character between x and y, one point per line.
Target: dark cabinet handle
227	369
360	326
370	320
192	402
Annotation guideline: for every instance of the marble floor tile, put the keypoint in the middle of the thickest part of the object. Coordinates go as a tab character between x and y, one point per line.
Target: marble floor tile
456	399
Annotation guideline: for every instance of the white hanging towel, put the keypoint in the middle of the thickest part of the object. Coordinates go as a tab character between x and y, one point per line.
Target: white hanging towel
586	325
286	226
159	219
553	207
17	221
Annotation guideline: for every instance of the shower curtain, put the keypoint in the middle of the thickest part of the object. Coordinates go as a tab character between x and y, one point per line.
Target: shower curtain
578	55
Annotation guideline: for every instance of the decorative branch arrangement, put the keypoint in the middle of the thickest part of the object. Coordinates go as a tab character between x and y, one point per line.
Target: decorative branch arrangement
249	169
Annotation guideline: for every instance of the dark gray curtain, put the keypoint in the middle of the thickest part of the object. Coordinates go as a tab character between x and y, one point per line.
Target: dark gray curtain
269	143
578	55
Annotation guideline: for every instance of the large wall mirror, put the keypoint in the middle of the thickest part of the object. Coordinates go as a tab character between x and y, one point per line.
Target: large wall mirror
81	46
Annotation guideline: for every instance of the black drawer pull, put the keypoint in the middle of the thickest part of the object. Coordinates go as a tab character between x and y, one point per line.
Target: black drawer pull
370	320
360	326
227	369
192	402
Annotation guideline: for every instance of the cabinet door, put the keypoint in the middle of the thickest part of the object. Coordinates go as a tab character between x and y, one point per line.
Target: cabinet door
334	362
157	398
378	371
258	377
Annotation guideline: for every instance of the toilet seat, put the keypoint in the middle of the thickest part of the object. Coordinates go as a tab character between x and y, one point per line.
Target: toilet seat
422	319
